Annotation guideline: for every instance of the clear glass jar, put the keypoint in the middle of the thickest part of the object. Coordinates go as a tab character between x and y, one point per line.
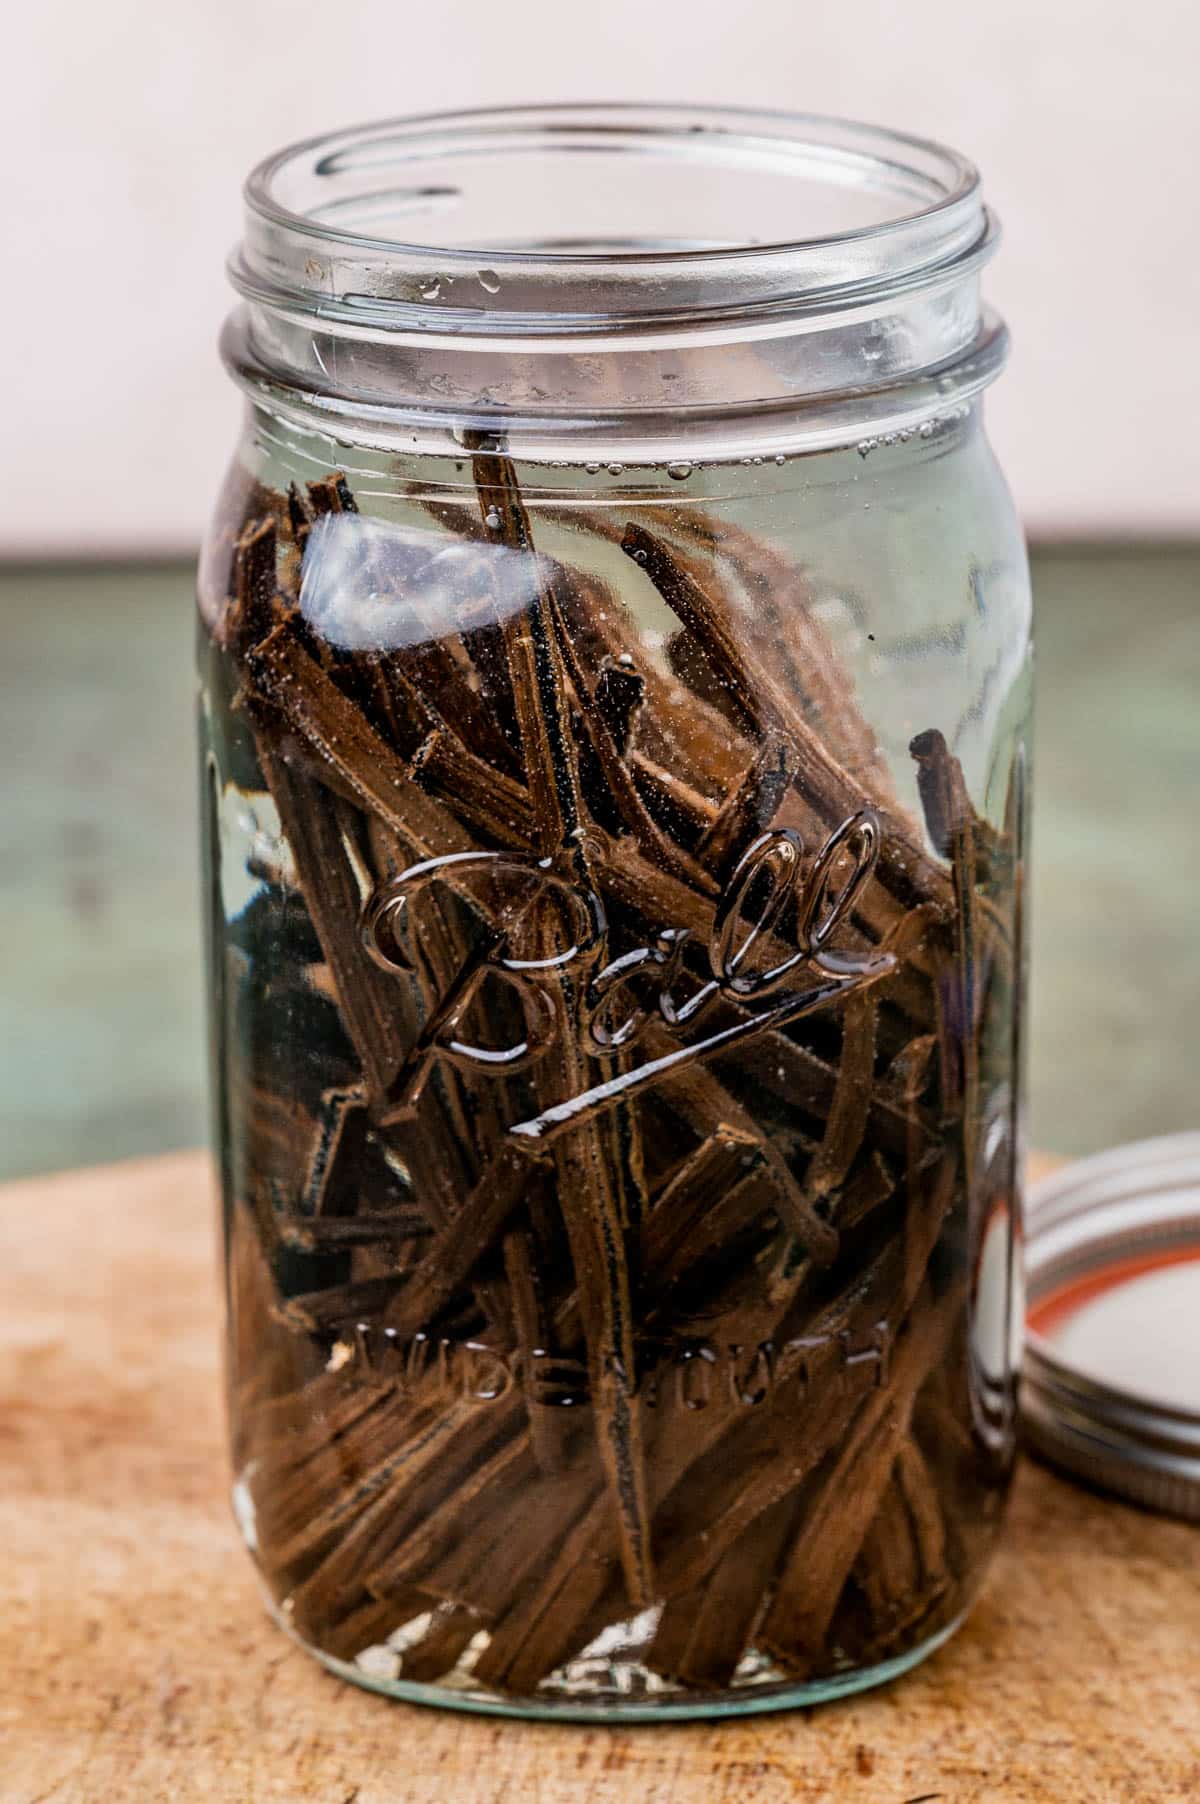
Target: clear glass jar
614	638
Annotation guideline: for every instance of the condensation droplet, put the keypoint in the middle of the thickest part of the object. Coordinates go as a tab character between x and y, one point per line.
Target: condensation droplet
679	472
489	281
928	429
492	519
780	458
592	469
615	469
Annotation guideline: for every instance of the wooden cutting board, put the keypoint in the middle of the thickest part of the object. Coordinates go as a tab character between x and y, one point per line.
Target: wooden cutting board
138	1664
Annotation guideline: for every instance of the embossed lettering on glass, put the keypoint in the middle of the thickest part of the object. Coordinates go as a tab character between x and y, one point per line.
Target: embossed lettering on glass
614	647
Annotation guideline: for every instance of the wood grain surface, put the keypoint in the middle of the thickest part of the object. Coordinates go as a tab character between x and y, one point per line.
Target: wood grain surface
138	1664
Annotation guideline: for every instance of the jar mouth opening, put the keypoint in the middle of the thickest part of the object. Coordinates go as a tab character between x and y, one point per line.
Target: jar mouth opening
508	219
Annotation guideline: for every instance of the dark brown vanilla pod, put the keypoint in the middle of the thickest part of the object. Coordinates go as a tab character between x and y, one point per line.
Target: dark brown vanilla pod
587	1172
714	647
609	1232
952	828
750	807
703	1635
535	665
636	819
779	596
345	746
619	692
256	588
442	682
757	697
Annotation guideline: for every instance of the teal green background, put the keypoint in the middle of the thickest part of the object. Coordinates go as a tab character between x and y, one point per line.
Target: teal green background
101	1049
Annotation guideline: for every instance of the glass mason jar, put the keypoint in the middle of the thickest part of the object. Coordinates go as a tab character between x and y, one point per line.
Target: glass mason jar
614	640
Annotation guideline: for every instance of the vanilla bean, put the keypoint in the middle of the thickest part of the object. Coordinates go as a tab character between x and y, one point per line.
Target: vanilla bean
739	1476
506	1554
535	668
442	948
369	1626
720	654
824	784
531	1639
702	1095
781	598
680	1065
299	516
801	1078
590	1201
679	809
886	1569
468	1235
375	1229
255	608
870	1184
531	1327
430	1533
837	1518
590	1207
750	807
702	1634
297	1519
445	1641
405	1521
951	822
399	1497
650	837
680	1207
674	729
898	1595
620	692
309	1419
729	1213
493	804
336	1305
332	1179
336	731
748	1476
331	495
777	595
851	1102
315	826
441	681
918	1488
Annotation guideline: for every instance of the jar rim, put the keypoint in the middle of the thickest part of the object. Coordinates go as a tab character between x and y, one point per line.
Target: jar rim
889	212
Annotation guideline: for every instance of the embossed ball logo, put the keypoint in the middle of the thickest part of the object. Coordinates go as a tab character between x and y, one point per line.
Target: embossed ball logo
520	898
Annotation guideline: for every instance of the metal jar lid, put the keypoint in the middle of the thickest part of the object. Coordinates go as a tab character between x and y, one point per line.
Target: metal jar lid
1110	1389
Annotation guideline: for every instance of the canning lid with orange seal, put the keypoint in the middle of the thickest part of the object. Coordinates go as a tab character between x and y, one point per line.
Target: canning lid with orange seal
1110	1390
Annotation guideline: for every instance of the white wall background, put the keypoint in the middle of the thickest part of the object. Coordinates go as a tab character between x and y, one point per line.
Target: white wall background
127	127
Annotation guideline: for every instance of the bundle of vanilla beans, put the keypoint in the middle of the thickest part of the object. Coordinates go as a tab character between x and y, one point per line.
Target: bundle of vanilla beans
606	1328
